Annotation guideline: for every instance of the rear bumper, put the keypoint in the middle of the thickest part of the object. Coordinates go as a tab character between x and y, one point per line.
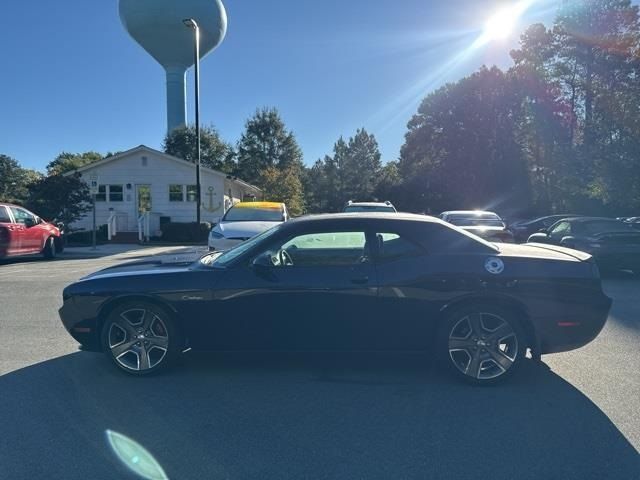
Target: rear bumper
574	326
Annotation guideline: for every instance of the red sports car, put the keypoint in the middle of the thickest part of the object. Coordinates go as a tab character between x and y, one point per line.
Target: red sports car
24	233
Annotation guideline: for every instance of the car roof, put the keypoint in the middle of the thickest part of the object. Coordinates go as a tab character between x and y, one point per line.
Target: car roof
370	204
590	219
259	205
346	216
469	212
5	204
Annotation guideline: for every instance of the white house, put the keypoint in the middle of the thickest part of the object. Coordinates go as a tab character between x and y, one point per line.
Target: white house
146	182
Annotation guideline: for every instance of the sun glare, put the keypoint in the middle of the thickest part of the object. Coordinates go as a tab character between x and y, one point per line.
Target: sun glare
501	24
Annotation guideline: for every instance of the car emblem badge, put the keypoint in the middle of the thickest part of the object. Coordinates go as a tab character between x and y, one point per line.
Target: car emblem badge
494	265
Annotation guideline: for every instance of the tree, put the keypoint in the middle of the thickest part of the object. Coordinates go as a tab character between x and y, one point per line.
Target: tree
461	152
597	63
215	153
15	180
265	143
283	185
352	173
64	198
358	164
388	182
543	120
68	162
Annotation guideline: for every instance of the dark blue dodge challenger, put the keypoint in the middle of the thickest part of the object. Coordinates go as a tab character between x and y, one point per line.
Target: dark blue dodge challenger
371	281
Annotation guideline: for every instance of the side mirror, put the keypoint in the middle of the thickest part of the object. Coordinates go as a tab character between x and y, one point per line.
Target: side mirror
262	261
29	222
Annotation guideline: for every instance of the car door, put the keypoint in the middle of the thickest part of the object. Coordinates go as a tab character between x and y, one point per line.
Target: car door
31	235
316	295
408	290
18	231
10	233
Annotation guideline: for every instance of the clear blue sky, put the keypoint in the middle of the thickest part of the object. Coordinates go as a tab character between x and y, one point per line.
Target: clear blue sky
73	80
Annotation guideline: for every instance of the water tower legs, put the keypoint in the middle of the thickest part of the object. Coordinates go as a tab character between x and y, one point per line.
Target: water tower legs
176	98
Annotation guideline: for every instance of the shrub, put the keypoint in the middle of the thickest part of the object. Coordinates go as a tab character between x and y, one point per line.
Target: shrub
85	237
185	231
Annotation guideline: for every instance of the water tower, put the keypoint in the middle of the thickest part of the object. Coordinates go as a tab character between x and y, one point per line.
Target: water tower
157	25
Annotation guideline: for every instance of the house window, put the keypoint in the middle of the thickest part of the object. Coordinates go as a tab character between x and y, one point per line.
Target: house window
115	193
192	193
101	196
176	193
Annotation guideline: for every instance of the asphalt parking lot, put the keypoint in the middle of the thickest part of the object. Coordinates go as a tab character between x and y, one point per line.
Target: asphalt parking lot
575	416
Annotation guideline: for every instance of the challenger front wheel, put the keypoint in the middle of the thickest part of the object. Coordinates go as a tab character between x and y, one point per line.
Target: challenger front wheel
140	338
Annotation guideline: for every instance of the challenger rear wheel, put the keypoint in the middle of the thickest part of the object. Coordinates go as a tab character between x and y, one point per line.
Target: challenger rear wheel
481	344
140	338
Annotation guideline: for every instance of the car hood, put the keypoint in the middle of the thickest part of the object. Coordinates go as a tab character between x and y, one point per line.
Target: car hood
541	250
243	229
145	267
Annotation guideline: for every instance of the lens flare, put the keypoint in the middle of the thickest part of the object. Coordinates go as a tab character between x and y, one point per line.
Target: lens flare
502	23
135	457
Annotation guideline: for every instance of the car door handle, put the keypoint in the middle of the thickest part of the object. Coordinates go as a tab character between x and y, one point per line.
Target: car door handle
360	280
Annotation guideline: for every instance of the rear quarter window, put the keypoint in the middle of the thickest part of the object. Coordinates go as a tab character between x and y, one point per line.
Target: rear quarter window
439	238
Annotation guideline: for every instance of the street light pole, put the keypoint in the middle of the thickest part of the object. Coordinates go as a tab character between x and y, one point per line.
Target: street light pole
191	23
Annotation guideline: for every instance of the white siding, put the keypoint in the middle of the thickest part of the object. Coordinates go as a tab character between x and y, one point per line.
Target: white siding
159	172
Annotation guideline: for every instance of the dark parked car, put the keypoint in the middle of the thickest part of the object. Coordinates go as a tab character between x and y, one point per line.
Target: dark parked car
633	222
523	229
613	244
24	233
487	225
376	281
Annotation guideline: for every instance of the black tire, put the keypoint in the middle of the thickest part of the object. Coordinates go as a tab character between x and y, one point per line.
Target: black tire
497	354
156	332
50	249
59	244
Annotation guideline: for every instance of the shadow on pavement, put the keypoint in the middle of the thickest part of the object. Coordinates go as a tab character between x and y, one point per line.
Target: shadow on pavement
623	289
343	416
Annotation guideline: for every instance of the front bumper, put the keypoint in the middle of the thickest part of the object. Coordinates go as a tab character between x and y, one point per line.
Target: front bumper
83	330
223	243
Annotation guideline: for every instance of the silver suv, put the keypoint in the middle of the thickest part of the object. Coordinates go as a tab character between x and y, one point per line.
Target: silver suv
370	207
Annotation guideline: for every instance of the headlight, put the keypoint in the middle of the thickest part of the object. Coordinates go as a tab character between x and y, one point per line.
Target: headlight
216	235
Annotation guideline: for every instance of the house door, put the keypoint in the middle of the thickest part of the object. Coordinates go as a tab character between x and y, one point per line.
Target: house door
143	199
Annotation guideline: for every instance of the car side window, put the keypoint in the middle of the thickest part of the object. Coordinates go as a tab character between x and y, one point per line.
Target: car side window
21	216
562	229
392	246
4	215
323	249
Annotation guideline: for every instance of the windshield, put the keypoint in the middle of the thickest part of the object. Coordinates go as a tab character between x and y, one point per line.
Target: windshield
369	208
248	214
225	258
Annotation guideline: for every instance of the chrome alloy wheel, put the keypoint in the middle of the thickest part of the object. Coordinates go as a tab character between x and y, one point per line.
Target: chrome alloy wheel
138	339
483	345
